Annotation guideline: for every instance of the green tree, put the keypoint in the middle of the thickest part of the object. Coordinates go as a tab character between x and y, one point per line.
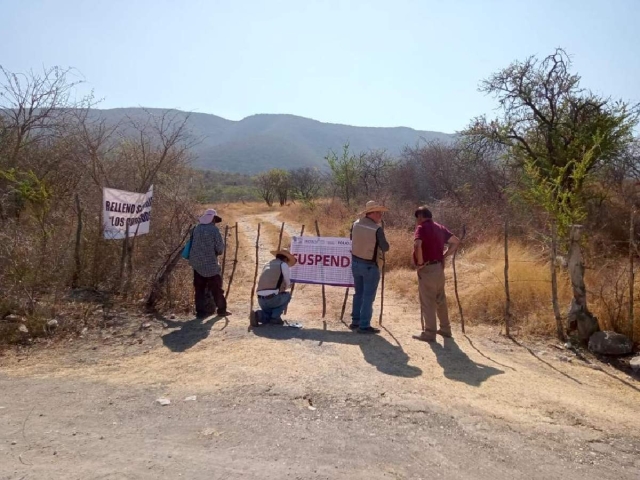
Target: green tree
556	132
346	172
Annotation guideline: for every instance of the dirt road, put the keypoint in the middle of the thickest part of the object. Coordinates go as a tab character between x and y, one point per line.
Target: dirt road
317	403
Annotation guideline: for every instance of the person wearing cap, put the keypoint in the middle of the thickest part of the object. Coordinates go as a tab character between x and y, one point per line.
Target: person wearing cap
368	243
206	245
428	256
274	281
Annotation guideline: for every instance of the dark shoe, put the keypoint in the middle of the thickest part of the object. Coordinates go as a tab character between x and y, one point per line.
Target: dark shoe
276	321
254	318
354	326
368	330
224	314
444	334
424	337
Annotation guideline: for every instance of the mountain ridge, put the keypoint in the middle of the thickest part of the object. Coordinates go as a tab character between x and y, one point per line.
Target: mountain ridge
267	140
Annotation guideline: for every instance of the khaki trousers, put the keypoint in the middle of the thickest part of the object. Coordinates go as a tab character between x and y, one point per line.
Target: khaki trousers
433	300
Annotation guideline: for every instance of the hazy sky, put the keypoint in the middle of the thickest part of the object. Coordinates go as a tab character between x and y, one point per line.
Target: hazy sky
367	62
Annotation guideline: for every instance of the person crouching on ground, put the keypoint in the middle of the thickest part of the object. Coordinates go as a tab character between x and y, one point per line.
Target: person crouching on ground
367	244
206	245
428	256
274	281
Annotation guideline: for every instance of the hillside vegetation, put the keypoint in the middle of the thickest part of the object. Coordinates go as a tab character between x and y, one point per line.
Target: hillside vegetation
261	142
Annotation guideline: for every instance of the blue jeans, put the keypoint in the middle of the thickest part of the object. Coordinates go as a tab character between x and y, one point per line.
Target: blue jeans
272	308
366	277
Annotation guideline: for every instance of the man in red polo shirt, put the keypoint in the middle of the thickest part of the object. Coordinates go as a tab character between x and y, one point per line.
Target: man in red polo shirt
428	256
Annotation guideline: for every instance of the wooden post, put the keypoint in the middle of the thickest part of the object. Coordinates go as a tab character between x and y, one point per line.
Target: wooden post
632	251
123	259
78	263
554	283
344	303
97	249
422	322
384	264
455	277
224	254
324	298
130	248
579	314
293	284
507	301
235	264
255	273
280	237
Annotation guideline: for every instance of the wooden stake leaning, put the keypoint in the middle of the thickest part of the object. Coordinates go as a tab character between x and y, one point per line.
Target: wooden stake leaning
293	284
78	262
344	303
255	273
455	277
280	237
507	293
422	322
382	290
235	263
384	264
324	298
224	254
632	252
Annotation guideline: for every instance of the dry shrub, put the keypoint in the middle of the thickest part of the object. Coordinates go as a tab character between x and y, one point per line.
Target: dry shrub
400	255
481	286
608	295
37	266
403	282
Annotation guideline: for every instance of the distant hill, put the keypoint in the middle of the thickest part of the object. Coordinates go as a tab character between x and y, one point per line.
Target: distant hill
264	141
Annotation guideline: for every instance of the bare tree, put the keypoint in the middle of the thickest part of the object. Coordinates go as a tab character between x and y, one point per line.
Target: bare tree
266	186
374	172
306	183
34	106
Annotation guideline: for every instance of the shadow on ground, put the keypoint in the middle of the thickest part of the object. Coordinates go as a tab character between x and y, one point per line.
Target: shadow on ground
457	366
386	357
189	333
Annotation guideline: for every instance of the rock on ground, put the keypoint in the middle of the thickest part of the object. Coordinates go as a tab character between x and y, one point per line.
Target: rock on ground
610	343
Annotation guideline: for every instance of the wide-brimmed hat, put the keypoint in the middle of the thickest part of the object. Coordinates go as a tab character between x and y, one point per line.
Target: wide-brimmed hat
209	216
291	260
373	206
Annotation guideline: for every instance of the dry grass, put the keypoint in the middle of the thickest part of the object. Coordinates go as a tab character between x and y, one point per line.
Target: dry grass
333	217
608	295
481	286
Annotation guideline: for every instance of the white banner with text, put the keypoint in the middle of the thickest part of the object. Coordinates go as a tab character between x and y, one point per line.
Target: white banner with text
322	261
122	210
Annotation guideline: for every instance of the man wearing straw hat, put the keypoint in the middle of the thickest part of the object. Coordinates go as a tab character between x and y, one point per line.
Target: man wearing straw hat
274	281
367	245
429	256
206	245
